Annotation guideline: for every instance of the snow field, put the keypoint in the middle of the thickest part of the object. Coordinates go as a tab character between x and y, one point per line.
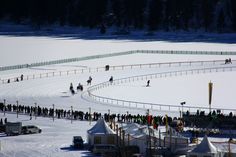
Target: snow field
56	137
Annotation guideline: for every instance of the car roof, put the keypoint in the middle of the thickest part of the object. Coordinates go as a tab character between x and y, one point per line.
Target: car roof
77	137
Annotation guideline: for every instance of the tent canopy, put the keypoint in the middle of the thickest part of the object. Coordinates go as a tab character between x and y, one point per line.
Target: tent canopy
101	127
205	147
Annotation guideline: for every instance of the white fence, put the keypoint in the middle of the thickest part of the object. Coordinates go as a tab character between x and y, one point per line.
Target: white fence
119	67
152	106
68	60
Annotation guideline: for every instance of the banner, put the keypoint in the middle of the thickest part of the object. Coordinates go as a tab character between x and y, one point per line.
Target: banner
210	86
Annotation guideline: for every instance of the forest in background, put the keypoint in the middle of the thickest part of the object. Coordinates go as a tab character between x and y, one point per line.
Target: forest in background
126	15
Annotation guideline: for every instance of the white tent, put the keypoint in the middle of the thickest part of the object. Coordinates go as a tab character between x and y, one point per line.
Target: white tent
139	135
204	149
101	133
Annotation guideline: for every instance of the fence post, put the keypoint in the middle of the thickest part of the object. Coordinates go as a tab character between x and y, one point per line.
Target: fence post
35	111
90	119
71	114
53	112
4	109
17	107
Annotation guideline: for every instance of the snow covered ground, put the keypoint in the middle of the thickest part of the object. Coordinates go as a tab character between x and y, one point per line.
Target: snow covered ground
56	136
54	141
48	48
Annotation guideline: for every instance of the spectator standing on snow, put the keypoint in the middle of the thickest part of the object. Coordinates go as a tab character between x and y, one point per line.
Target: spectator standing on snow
111	79
21	77
148	83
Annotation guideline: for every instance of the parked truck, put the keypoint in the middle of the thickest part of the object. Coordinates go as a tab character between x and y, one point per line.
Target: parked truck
13	128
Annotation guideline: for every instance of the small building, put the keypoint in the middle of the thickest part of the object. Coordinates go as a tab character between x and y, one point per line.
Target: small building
101	133
204	149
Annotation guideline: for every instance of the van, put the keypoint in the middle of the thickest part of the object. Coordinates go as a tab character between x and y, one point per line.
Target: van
30	129
13	128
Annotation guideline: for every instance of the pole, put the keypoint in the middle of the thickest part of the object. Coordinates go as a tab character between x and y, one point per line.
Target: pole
17	108
53	112
149	135
120	135
71	114
109	115
182	112
117	129
35	111
123	137
4	108
159	137
229	154
210	86
128	139
90	117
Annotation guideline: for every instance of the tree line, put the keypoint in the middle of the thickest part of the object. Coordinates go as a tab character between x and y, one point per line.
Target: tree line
151	15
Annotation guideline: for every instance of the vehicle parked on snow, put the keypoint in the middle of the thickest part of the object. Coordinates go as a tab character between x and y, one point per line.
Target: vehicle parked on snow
78	142
30	129
13	128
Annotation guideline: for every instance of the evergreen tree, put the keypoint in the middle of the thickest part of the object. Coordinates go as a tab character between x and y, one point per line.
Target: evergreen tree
233	10
220	21
155	14
212	15
207	9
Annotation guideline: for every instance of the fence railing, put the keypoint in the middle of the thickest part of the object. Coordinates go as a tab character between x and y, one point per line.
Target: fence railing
61	61
154	106
118	67
187	52
68	60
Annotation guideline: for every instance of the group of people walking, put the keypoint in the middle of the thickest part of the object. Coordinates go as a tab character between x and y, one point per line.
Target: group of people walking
17	79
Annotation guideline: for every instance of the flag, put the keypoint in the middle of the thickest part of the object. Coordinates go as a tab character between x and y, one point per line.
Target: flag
210	86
